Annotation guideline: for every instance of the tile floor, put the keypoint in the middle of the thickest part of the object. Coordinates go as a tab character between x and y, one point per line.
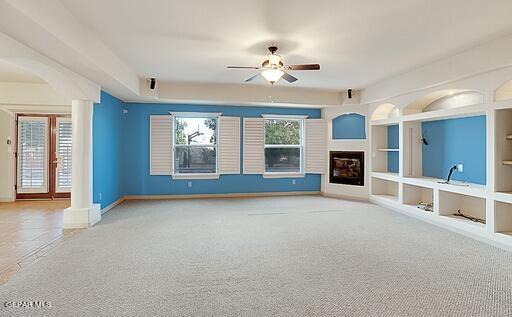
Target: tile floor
28	231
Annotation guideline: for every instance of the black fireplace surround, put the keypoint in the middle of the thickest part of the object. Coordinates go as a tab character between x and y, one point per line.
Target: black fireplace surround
346	168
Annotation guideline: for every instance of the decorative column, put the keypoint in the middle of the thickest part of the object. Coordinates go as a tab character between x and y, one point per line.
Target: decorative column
82	213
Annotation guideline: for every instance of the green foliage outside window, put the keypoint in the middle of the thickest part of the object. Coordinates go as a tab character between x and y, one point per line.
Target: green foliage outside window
282	131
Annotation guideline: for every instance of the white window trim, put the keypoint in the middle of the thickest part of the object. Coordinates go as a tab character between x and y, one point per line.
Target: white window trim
283	116
196	114
299	118
180	176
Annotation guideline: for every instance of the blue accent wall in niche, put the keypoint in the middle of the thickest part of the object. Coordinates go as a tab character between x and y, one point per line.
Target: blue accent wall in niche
456	141
349	126
393	144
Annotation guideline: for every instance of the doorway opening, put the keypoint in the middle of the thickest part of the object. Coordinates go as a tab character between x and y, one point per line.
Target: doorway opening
43	156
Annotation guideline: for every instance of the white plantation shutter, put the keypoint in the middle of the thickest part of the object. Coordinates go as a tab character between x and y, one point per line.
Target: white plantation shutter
32	154
316	146
254	156
160	145
64	142
229	145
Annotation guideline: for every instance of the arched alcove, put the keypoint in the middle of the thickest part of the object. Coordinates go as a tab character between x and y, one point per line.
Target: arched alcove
504	92
349	126
385	111
445	99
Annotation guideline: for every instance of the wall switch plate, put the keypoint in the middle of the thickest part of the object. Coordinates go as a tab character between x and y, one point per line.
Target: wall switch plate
100	196
189	184
460	168
294	181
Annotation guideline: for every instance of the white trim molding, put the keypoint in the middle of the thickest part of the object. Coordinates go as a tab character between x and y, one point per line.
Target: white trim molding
196	114
195	176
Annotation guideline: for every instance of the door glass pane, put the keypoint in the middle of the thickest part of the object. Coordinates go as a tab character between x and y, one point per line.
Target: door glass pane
194	159
32	154
64	133
283	160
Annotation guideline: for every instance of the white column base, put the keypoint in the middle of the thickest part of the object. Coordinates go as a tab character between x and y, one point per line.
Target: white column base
81	217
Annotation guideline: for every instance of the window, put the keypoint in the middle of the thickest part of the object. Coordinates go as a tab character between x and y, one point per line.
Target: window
283	145
195	144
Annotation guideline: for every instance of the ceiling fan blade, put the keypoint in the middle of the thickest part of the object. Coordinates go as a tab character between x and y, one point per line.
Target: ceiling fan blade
243	67
252	78
289	78
304	67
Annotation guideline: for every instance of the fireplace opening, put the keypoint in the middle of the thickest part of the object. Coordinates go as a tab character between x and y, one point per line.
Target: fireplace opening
346	168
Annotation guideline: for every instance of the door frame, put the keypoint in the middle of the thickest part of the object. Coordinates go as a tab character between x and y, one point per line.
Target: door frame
51	157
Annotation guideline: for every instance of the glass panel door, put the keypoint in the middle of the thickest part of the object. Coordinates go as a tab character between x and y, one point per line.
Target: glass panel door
62	160
32	165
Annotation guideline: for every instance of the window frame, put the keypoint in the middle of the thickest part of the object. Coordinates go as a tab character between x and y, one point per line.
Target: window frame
205	115
301	146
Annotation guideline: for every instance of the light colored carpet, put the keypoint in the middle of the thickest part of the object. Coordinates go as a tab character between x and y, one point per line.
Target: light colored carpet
286	256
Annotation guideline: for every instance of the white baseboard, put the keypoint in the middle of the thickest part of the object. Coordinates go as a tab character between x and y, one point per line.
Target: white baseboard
112	205
345	197
227	195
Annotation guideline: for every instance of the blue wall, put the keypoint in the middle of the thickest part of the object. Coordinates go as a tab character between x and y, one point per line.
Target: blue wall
456	141
135	156
349	126
107	126
393	144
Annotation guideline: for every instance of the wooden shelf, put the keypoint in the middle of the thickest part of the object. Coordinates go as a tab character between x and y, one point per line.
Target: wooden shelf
507	162
388	150
509	137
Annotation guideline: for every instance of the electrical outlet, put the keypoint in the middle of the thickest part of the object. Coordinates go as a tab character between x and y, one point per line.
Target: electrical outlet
189	184
100	196
460	168
294	181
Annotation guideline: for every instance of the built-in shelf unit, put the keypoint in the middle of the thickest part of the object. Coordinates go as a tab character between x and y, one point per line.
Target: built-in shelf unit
503	220
503	150
451	203
491	202
385	150
385	189
414	195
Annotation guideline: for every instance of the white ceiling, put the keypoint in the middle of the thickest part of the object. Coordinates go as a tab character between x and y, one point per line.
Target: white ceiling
357	43
14	74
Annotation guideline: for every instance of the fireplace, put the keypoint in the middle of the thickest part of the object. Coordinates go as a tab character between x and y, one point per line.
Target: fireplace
346	168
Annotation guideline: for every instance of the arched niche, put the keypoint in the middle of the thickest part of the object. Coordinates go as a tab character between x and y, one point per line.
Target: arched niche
385	111
504	92
349	126
445	99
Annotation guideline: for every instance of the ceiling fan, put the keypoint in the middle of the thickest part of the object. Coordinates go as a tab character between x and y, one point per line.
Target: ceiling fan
273	68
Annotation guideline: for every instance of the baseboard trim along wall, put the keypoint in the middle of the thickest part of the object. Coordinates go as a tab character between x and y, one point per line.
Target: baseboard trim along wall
205	196
345	197
112	205
228	195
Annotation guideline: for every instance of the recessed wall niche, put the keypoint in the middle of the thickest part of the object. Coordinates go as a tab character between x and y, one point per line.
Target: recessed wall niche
431	148
445	99
385	149
503	154
349	126
386	111
504	92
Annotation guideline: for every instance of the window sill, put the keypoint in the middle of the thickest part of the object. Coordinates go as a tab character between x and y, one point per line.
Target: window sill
284	175
195	176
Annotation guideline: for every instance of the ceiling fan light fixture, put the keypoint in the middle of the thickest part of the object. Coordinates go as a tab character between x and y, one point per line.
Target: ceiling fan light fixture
272	75
274	59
